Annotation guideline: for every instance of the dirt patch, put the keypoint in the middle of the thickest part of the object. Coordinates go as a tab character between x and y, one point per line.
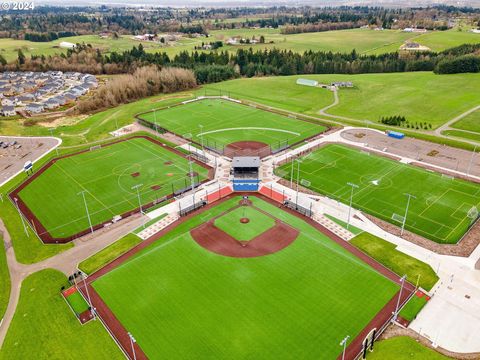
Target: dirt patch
155	187
432	153
192	174
135	174
244	220
219	242
169	174
247	148
359	135
168	163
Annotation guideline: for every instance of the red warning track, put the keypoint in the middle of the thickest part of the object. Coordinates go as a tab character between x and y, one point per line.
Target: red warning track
43	233
354	348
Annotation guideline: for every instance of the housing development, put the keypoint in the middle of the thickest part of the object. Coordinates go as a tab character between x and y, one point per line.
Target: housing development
236	182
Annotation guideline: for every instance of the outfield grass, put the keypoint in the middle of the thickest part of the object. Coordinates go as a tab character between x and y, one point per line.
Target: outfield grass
108	254
403	348
181	301
438	213
43	325
400	263
419	96
225	122
413	307
462	134
230	223
106	176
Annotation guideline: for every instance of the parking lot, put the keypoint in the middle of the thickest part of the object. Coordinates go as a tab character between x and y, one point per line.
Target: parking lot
16	151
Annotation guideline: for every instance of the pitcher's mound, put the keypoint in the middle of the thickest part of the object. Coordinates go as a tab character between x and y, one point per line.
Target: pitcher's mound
244	220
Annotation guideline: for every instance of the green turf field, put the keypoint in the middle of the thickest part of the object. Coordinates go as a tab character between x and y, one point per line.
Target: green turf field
439	211
106	177
225	122
230	223
77	302
182	301
419	96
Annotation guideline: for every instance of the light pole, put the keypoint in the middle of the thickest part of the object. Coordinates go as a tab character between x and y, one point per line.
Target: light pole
21	217
354	186
201	133
155	120
88	295
136	187
86	209
402	282
344	344
471	160
406	211
133	341
298	180
291	173
51	134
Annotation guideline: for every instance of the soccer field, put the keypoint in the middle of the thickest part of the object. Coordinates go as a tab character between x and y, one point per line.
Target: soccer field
221	122
182	301
106	176
439	211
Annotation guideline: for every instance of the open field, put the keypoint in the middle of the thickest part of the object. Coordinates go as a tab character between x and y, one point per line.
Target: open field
403	348
5	283
400	263
219	122
463	134
419	96
470	122
44	325
200	304
364	41
438	213
107	176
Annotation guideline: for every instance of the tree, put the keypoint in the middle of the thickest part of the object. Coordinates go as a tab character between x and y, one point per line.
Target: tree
21	57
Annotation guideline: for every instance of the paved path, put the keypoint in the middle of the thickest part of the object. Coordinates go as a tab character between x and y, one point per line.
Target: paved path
446	126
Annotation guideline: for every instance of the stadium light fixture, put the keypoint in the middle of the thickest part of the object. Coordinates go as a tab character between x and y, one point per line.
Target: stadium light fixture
155	120
298	180
344	344
132	342
86	209
136	187
92	311
409	196
402	282
354	186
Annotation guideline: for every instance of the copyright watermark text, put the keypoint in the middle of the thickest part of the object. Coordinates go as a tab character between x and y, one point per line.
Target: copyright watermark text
17	5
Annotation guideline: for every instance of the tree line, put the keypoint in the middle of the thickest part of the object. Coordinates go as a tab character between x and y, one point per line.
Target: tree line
45	37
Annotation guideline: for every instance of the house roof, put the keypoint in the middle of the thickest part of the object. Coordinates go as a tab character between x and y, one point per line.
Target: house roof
246	162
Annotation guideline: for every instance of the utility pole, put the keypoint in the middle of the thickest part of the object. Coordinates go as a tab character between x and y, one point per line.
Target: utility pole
201	133
344	344
21	218
86	209
298	180
406	211
354	186
402	282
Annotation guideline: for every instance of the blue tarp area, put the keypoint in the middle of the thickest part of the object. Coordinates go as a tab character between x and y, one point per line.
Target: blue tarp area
245	185
395	134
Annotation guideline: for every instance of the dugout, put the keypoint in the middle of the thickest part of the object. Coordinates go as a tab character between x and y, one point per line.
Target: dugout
245	173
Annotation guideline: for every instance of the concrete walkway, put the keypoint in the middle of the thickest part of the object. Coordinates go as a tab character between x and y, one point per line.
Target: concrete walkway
446	126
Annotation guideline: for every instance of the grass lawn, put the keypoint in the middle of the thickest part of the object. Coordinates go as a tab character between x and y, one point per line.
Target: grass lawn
413	307
44	325
77	302
225	122
354	230
400	263
419	96
403	348
106	176
438	213
470	122
442	40
230	223
462	134
4	280
190	302
108	254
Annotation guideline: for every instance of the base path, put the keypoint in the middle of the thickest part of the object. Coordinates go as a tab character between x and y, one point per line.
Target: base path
271	241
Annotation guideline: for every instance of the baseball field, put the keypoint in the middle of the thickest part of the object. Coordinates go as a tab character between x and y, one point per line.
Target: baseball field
109	178
441	208
220	122
181	299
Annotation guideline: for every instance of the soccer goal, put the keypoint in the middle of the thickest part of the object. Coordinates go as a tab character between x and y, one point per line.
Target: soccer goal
449	177
96	147
398	218
472	214
305	183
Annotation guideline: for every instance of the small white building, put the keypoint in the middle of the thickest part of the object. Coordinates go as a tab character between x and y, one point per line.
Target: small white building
67	45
